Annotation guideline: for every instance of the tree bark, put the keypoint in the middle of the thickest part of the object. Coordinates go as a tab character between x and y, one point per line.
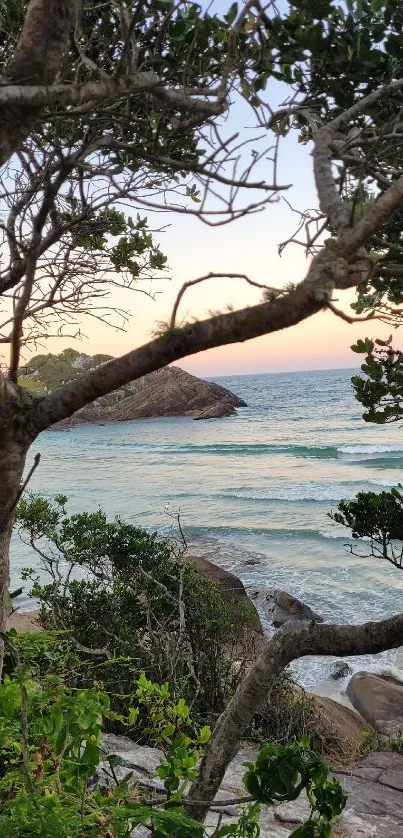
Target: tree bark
308	298
43	40
16	434
288	644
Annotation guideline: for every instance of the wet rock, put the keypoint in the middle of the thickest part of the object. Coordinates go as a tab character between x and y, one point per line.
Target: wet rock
340	670
280	607
379	699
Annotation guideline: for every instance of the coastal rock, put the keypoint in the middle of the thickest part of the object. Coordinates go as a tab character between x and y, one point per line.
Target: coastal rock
374	788
341	670
230	586
280	607
166	392
217	411
379	699
338	720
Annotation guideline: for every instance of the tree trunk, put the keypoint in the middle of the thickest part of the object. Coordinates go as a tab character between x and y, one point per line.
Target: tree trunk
15	438
289	644
12	460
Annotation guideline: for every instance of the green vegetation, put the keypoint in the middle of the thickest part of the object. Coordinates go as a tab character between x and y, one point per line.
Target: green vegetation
52	762
45	373
132	604
135	642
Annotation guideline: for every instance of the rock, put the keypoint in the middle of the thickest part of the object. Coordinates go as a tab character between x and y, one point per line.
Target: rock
346	725
379	699
141	760
374	788
341	670
280	607
166	392
229	585
374	806
217	411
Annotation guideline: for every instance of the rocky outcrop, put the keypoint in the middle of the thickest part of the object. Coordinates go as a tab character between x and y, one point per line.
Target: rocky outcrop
217	411
229	585
279	607
166	392
337	721
374	788
379	699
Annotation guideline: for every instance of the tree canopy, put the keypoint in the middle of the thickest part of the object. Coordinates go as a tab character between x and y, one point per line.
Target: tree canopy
109	110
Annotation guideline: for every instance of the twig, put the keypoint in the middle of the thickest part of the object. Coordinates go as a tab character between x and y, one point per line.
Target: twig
210	275
347	317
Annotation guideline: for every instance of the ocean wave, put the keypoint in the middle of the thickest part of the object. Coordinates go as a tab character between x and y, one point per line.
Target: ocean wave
371	449
336	532
276	533
294	493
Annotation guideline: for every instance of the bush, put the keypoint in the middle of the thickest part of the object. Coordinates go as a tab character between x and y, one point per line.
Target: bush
131	604
51	747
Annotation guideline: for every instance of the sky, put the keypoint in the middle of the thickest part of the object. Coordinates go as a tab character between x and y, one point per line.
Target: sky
250	246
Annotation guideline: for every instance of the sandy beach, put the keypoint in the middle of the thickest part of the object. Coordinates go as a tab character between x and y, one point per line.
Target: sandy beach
24	621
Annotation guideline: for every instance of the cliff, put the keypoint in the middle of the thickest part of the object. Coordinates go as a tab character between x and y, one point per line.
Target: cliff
166	392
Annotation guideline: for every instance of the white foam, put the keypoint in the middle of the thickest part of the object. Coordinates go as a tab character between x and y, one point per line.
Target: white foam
371	449
336	532
296	492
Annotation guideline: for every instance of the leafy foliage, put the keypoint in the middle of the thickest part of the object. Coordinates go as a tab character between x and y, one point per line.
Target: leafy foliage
282	772
379	517
46	372
51	753
381	392
128	595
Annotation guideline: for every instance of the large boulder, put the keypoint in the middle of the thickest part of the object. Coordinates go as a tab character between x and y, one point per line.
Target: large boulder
341	723
167	392
230	587
379	699
280	607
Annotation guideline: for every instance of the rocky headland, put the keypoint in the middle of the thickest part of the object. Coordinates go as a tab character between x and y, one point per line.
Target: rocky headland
167	392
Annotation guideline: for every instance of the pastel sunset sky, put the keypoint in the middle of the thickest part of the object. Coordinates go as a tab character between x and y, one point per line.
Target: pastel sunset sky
247	246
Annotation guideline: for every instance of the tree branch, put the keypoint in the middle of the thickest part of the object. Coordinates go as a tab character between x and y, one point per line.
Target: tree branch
87	95
175	344
326	272
210	275
40	48
289	644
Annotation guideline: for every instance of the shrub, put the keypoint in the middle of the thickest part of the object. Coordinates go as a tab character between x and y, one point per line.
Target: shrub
51	747
130	603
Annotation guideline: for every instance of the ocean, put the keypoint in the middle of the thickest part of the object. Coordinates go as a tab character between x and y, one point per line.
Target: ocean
253	492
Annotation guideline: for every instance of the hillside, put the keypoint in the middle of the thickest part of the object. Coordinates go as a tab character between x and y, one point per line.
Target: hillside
45	373
167	392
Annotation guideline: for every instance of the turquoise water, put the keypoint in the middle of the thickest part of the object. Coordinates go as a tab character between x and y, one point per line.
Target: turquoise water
253	490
